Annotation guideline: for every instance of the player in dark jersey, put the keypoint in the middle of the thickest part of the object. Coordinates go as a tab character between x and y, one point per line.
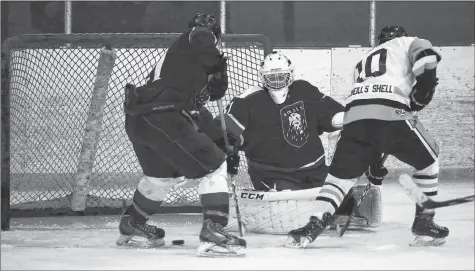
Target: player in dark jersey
278	125
164	125
380	118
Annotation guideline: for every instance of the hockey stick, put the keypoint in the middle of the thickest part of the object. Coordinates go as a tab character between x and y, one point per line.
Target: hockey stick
233	184
416	194
342	230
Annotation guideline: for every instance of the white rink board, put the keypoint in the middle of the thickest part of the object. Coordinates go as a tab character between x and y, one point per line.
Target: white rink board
456	71
343	65
312	65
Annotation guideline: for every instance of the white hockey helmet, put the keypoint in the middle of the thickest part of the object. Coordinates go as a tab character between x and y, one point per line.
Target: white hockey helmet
276	75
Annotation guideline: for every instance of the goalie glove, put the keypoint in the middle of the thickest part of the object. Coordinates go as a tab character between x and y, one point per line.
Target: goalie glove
232	161
376	174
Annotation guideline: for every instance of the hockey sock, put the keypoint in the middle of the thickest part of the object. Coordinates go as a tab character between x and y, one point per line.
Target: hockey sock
216	207
427	180
332	194
142	207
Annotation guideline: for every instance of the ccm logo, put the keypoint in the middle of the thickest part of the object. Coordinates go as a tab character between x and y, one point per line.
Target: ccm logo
252	196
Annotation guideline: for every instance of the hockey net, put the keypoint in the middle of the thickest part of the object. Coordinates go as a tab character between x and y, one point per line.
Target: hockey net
47	88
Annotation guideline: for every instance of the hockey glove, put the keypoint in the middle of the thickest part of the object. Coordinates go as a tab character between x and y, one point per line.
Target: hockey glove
233	163
233	141
423	91
217	85
202	98
376	174
218	80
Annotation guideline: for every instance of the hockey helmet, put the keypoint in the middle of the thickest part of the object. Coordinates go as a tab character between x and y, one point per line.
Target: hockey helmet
276	75
391	32
208	21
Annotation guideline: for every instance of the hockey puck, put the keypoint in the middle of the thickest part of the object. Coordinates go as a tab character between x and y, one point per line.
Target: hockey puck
178	242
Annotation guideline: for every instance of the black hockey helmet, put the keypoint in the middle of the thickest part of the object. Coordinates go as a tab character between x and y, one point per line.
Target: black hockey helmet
391	32
206	20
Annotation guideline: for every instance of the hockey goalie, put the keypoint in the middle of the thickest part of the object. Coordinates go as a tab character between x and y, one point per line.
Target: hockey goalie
277	125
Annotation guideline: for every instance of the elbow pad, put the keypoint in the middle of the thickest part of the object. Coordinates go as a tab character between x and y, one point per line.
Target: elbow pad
337	120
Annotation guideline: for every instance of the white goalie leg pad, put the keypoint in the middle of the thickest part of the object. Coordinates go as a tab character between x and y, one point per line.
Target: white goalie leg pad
371	207
215	181
272	212
157	188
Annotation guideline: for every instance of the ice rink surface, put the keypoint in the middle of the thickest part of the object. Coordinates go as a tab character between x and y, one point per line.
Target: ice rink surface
65	243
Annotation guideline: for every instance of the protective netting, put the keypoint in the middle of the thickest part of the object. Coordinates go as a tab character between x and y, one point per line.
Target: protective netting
50	86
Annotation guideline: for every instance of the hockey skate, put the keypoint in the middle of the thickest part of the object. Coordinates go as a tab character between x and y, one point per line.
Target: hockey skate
216	242
130	227
426	232
301	237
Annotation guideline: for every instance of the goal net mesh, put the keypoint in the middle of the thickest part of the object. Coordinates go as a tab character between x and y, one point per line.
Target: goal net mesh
50	83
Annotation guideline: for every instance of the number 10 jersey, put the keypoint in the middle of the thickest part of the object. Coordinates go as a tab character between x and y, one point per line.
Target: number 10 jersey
383	81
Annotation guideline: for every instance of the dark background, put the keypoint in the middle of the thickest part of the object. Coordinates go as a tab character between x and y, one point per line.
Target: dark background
286	23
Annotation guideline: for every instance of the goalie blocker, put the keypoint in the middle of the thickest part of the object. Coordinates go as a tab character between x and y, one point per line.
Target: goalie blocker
281	211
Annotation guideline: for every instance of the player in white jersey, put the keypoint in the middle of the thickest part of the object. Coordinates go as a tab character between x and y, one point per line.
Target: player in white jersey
392	81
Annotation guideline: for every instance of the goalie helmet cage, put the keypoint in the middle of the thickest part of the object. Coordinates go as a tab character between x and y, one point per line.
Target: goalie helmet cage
48	85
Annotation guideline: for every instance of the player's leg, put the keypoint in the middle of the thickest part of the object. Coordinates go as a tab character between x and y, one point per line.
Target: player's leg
196	157
419	150
354	153
159	177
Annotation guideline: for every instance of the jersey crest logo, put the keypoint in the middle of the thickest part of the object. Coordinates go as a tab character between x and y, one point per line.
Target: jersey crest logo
294	124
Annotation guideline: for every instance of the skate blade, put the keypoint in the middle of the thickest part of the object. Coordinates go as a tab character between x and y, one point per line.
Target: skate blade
426	241
211	250
138	242
292	243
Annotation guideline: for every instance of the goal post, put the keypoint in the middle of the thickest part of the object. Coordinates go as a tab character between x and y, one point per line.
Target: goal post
93	128
47	92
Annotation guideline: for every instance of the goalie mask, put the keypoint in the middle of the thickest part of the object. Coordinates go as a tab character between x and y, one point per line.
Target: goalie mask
276	75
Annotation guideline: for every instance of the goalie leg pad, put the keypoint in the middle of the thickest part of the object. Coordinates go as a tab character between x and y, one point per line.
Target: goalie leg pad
371	207
272	212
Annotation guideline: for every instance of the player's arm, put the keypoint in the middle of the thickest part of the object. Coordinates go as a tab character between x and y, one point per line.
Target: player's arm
203	42
424	61
331	116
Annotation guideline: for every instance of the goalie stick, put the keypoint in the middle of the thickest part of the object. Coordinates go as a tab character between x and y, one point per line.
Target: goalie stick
233	184
342	230
416	194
